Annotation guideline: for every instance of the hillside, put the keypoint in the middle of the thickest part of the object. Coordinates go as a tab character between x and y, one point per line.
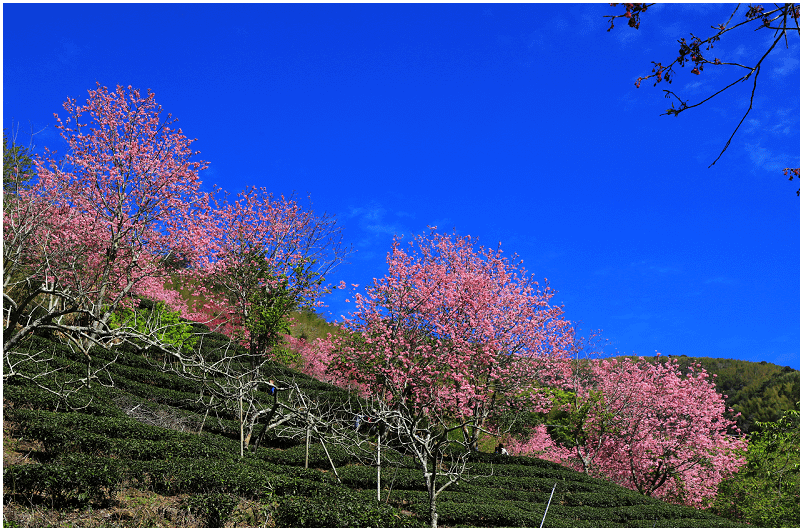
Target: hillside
132	456
759	391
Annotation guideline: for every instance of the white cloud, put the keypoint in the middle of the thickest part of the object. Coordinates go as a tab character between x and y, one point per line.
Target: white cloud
786	65
378	222
764	158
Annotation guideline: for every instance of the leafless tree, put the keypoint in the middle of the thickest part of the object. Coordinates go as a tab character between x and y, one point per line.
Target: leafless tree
232	382
441	447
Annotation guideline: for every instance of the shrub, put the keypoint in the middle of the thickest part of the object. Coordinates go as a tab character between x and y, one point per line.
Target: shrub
213	509
345	510
73	480
168	326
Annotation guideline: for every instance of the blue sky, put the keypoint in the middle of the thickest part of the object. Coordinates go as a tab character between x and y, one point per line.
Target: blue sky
515	123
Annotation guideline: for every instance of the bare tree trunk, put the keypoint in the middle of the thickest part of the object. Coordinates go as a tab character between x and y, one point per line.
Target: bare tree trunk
379	465
308	443
434	516
241	429
205	416
333	467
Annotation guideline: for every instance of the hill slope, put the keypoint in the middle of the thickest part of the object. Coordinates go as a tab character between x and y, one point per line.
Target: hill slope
132	456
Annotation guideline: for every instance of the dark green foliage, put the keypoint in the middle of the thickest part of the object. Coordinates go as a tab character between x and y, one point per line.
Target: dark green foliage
74	480
766	492
364	477
17	166
296	456
347	509
214	509
475	514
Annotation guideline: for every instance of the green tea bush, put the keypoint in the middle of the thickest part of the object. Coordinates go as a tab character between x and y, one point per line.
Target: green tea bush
345	510
606	498
123	437
213	509
510	482
74	480
317	458
478	514
156	378
504	494
95	400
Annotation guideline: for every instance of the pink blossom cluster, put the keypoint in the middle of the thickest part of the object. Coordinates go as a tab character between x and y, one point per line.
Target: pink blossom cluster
100	222
655	430
124	195
453	328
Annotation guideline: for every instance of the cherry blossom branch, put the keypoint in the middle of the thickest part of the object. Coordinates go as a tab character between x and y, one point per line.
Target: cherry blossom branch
690	51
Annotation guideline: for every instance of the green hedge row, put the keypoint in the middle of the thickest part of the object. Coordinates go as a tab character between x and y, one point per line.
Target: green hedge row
478	514
485	493
95	400
122	437
366	477
345	510
79	478
295	456
459	511
156	378
562	474
75	479
510	482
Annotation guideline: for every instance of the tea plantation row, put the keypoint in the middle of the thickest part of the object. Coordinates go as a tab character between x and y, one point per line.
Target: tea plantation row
86	457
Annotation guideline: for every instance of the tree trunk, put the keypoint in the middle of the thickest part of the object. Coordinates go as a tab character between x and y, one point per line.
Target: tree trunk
333	467
205	416
434	516
308	443
241	429
430	481
270	415
379	466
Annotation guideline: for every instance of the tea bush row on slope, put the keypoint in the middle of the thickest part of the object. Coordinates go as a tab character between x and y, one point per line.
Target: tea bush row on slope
303	497
134	371
96	401
347	510
364	477
522	514
168	462
295	456
66	480
73	480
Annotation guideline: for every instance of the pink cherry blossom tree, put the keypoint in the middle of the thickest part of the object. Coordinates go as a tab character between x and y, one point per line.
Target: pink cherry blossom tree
95	227
449	335
648	427
267	257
